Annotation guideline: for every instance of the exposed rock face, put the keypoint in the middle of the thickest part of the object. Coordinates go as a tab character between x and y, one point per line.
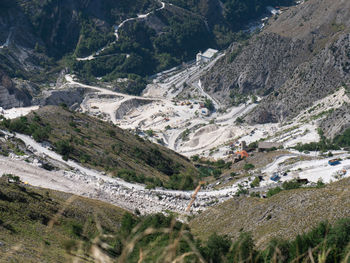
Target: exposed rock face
312	81
68	96
17	58
262	66
337	122
301	57
10	95
128	105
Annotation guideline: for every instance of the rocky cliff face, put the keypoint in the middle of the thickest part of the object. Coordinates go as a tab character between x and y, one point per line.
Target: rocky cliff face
261	66
299	58
12	95
19	61
310	81
337	122
68	96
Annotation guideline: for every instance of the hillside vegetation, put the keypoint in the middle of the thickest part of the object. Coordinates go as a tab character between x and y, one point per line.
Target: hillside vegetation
38	225
102	146
51	35
284	214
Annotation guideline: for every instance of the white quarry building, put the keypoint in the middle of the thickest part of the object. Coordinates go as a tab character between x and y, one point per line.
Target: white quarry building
206	56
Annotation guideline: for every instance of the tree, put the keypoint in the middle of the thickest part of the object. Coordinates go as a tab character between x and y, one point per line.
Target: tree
128	223
239	120
274	191
243	249
209	104
216	248
64	148
256	182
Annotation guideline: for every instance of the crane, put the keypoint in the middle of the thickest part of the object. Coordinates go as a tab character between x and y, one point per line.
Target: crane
194	195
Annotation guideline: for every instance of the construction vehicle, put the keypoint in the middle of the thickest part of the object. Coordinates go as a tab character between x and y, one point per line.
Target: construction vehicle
275	177
239	156
194	195
334	162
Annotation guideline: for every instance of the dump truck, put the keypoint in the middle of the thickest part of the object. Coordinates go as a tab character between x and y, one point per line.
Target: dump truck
334	162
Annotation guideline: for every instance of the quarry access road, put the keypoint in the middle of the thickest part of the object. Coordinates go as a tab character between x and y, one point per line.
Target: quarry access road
117	28
86	182
90	183
112	107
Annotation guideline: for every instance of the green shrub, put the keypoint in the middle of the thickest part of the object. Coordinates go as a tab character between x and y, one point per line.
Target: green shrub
111	133
243	250
255	194
216	248
34	127
239	120
248	166
256	182
241	191
64	148
150	133
209	104
320	183
195	158
274	191
289	185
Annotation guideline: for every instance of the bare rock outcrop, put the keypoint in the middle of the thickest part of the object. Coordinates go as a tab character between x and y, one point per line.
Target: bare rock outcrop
302	56
337	122
12	95
128	105
68	96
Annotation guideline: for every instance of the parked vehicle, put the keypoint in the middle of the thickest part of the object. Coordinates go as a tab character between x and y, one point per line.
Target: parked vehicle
334	162
275	177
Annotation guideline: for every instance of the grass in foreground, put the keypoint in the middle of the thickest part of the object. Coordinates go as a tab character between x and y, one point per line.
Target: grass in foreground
37	225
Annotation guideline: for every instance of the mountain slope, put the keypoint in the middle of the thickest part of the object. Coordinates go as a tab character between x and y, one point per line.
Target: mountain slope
300	57
112	39
284	215
102	146
39	225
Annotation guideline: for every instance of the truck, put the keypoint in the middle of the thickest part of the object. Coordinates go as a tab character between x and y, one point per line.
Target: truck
334	162
275	177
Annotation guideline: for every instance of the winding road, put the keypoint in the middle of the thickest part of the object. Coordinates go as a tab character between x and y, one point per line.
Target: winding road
118	27
90	183
112	107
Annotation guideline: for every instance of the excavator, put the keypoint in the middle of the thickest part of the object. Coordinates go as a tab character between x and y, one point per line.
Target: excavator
240	156
194	195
